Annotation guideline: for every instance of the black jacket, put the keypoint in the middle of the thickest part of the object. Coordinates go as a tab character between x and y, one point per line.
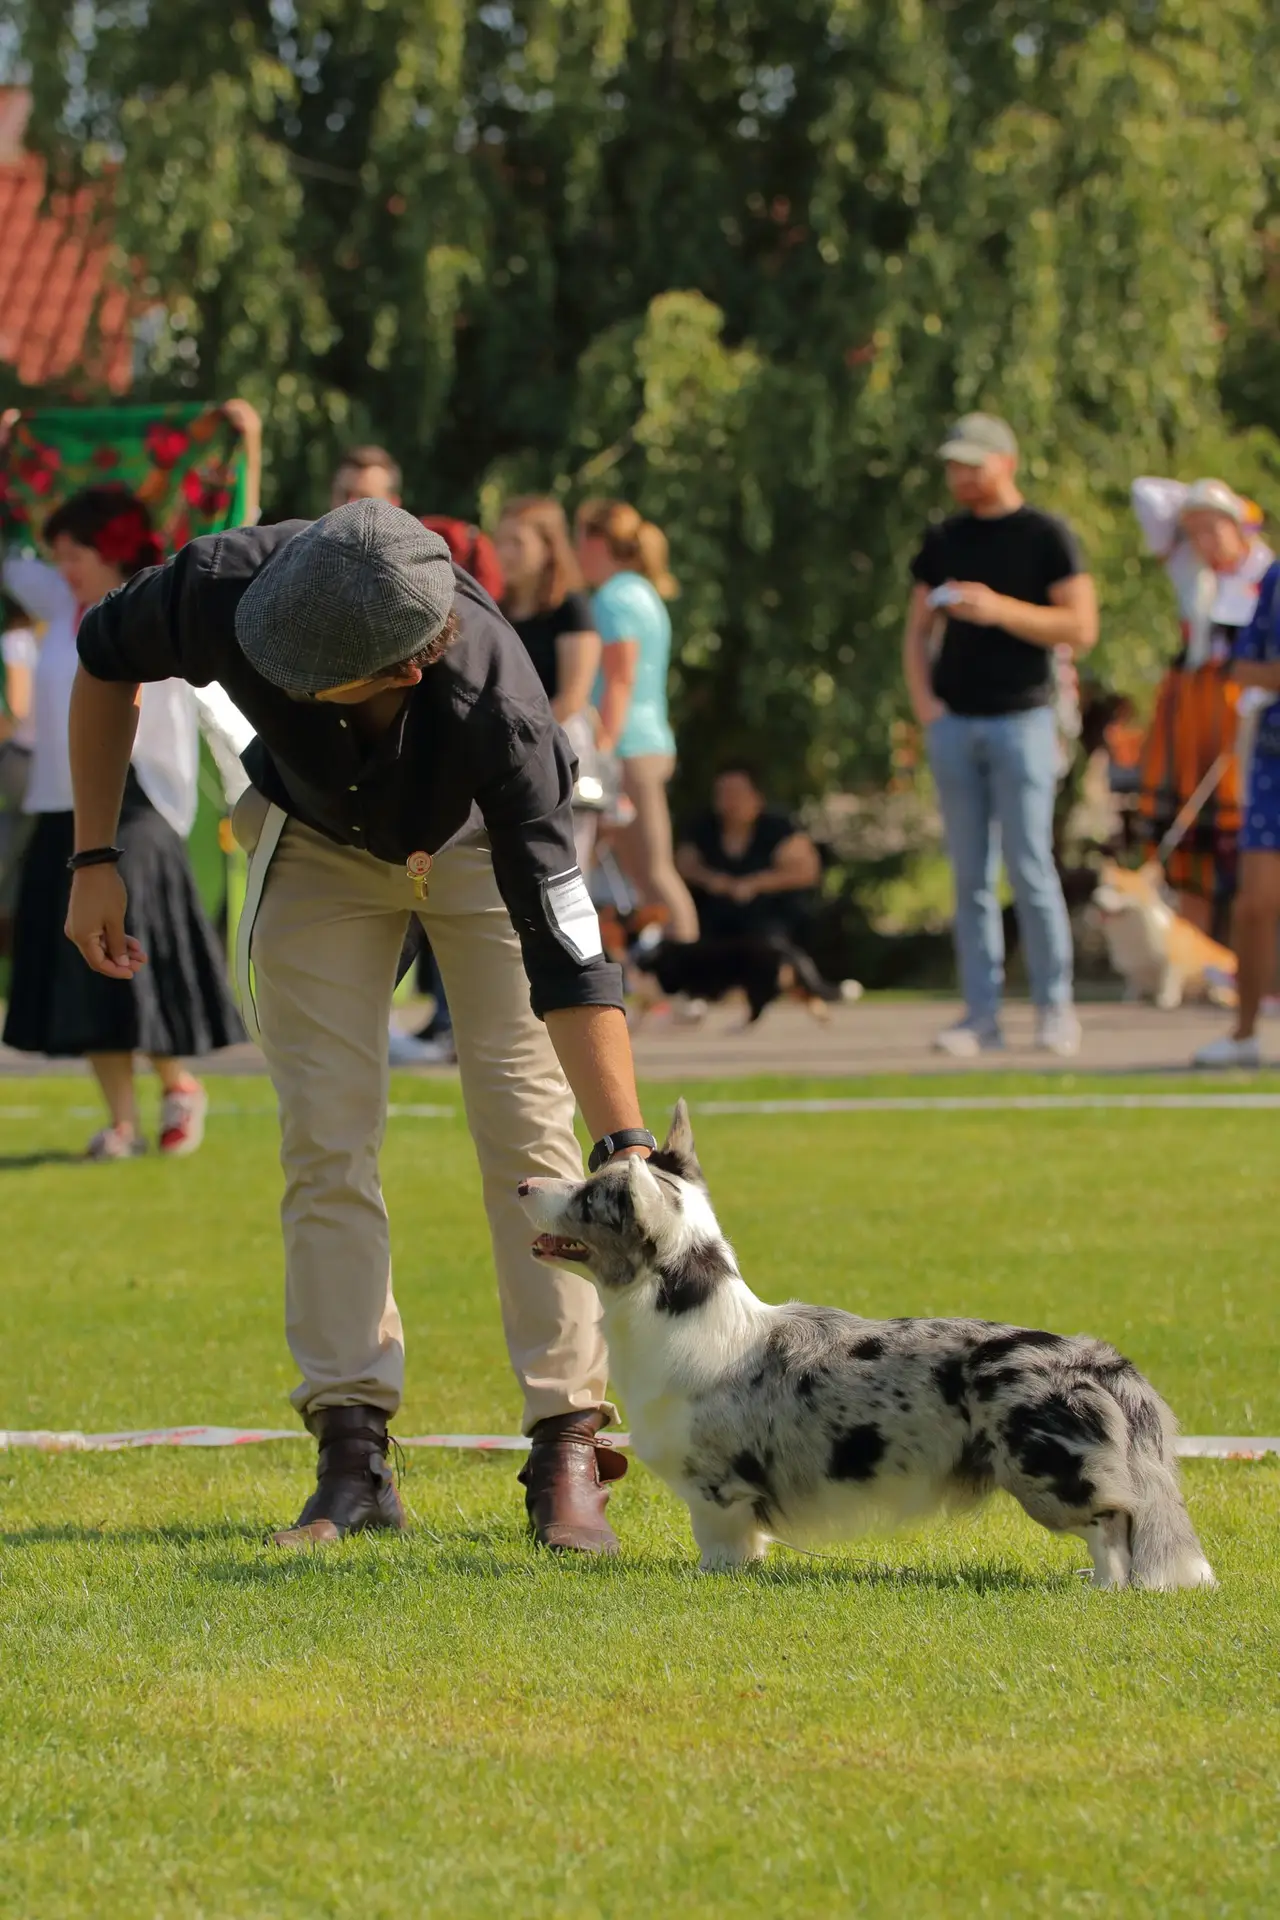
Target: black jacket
475	743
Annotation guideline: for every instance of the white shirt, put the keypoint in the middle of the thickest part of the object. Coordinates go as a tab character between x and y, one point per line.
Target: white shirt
20	648
166	750
1205	599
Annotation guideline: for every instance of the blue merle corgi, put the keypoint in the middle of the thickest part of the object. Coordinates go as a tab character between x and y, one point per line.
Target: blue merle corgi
795	1423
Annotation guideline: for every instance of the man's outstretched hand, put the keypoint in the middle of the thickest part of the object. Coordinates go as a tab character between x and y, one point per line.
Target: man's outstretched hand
95	923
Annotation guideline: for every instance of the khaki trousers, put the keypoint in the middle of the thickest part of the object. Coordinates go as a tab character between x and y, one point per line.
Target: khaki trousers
325	943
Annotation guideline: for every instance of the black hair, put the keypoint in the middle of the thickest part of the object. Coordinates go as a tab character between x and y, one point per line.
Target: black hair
84	517
747	768
430	651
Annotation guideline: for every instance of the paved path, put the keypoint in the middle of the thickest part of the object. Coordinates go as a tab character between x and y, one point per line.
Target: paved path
879	1036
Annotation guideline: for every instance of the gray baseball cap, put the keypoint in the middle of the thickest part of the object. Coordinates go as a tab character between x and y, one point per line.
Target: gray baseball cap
976	437
353	594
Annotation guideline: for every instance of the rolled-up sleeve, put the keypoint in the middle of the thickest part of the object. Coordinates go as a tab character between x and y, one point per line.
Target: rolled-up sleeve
530	826
153	627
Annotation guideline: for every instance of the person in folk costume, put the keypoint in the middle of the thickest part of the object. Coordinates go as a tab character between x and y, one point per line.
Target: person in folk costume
1215	557
181	1004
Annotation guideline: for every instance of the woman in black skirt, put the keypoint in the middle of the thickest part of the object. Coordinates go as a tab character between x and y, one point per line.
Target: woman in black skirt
180	1003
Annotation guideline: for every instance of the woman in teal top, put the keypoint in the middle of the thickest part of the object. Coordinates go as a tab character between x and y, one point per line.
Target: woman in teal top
624	559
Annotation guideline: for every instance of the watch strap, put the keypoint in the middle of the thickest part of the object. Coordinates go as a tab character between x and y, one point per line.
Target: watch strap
95	857
615	1142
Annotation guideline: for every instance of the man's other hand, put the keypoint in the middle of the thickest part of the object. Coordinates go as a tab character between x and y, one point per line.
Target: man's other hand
95	923
980	606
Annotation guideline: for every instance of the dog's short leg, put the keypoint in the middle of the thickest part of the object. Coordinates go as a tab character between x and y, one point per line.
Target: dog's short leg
1107	1538
1170	989
727	1537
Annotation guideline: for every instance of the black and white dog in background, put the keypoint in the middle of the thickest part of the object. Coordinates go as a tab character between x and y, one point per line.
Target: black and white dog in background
798	1422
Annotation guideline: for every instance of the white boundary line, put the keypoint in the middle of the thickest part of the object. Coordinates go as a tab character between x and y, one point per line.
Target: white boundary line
1195	1446
218	1111
1003	1103
854	1103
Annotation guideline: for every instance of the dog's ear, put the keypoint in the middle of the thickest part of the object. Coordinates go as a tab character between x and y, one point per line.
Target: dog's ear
676	1154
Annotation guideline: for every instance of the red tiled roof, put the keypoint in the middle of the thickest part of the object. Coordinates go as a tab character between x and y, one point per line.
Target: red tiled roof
56	314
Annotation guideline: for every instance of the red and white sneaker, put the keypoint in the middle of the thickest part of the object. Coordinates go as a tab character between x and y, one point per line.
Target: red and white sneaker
182	1117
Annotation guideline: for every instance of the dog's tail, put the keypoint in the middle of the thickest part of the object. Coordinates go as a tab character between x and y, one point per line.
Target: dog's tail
1162	1541
809	981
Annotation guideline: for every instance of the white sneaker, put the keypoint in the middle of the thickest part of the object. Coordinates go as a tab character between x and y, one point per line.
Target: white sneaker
1058	1031
406	1050
966	1040
1229	1052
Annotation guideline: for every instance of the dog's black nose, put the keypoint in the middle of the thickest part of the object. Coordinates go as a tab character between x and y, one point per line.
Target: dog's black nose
523	1188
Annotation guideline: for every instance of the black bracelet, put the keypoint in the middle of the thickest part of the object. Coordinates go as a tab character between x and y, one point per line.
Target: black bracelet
95	857
614	1143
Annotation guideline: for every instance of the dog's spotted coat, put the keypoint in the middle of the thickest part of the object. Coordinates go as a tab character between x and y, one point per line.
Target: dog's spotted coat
797	1422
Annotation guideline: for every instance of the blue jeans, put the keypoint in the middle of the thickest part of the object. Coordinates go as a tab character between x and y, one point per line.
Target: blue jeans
996	781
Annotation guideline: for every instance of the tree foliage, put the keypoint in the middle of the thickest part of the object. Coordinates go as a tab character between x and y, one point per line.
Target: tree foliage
735	259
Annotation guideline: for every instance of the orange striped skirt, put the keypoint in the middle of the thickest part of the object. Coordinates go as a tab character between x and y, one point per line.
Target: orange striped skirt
1194	722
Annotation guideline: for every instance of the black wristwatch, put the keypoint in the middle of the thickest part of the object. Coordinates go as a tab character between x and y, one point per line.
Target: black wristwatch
614	1143
95	857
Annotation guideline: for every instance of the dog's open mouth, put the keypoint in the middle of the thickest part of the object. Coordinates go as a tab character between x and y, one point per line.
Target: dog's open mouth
553	1246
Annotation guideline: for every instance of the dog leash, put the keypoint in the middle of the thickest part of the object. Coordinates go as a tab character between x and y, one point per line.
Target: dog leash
1191	808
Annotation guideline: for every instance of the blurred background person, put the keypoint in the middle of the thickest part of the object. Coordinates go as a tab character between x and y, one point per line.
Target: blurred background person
1007	584
624	561
365	473
1208	539
1255	913
752	868
19	651
433	1044
180	1003
545	600
372	473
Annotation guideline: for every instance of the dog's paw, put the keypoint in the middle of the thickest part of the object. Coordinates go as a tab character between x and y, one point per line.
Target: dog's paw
731	1559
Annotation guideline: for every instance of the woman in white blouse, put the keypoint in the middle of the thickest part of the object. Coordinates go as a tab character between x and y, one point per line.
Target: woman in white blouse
180	1004
1208	538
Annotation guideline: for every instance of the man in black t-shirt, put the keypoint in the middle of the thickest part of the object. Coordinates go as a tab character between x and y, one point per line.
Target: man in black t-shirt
1006	584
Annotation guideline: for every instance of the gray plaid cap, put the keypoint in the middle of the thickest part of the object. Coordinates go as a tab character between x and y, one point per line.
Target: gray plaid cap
352	595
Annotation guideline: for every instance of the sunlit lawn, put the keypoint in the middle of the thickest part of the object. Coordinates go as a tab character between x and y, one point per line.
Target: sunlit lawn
947	1723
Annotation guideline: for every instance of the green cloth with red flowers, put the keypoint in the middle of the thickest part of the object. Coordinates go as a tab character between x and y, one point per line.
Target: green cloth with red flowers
185	463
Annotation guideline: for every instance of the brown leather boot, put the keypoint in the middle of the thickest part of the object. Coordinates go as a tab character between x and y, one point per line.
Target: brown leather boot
566	1483
354	1488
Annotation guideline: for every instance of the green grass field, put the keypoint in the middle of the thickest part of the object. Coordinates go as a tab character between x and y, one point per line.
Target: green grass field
945	1723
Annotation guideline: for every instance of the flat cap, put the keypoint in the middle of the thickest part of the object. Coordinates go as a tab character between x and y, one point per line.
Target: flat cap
350	597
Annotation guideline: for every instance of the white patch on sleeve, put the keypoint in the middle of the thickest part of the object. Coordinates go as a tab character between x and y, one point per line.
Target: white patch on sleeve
571	916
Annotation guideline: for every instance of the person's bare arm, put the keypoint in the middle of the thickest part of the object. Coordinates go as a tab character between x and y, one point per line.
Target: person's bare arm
796	867
17	694
618	663
104	716
1071	620
691	866
593	1047
1257	673
577	662
921	618
17	691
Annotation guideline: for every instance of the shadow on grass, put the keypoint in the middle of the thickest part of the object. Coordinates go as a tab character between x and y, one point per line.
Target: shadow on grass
48	1157
490	1554
484	1561
173	1536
